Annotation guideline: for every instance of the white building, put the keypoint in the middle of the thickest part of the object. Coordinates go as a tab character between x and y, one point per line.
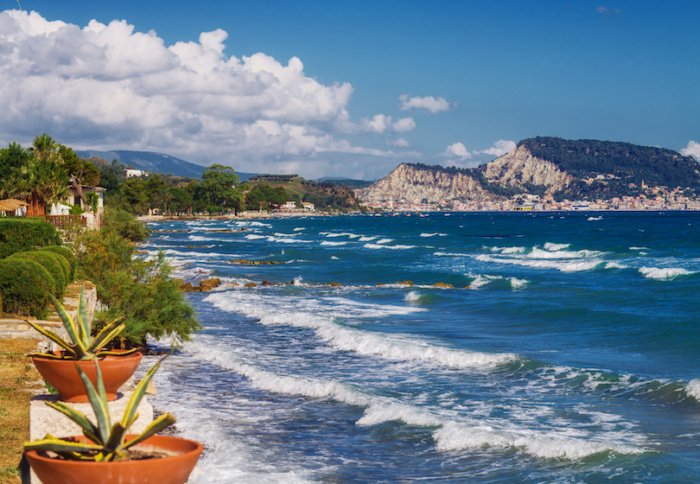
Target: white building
133	172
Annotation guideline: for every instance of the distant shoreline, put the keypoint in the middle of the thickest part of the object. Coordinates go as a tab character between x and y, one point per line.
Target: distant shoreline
266	215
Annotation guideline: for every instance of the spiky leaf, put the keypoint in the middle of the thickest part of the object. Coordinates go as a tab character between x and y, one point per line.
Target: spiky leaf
163	421
89	429
99	404
138	394
54	337
61	446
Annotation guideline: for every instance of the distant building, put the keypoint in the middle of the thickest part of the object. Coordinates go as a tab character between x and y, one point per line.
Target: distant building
12	207
90	216
289	205
133	172
309	207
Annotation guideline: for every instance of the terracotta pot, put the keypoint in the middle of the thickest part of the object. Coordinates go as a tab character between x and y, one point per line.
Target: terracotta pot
174	469
63	374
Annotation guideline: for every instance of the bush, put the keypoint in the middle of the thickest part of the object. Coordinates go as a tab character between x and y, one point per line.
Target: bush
63	262
20	234
123	223
24	287
67	255
50	262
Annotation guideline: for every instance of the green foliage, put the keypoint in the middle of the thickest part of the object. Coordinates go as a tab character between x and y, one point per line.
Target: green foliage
106	441
67	255
219	187
50	262
17	234
139	292
25	287
80	345
622	164
123	223
263	196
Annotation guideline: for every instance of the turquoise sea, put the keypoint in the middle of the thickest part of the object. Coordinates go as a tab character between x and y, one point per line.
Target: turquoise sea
568	349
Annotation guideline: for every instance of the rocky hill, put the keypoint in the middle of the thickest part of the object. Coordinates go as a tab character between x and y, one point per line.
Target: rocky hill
544	166
421	184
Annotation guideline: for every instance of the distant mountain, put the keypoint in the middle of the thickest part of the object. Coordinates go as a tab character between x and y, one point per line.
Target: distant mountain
153	162
543	166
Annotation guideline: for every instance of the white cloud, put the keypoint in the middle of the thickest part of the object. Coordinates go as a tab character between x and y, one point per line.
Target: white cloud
500	147
458	150
400	142
692	149
381	123
109	86
430	103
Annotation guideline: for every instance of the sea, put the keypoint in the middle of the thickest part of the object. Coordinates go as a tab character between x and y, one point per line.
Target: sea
440	347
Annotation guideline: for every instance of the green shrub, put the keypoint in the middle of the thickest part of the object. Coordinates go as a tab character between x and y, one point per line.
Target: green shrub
25	287
50	262
22	234
67	254
63	262
122	222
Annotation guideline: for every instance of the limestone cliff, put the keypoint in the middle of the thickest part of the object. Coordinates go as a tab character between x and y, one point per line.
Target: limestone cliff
416	184
521	169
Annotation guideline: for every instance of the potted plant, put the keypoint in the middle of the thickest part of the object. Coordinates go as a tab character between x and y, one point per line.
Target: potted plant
59	368
105	452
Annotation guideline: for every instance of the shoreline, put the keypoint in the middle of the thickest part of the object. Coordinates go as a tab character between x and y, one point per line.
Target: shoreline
267	215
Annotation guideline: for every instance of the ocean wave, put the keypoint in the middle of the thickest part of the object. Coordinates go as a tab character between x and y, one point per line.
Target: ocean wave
320	318
452	434
384	241
595	219
412	297
272	238
299	229
333	244
554	247
340	234
693	389
394	247
664	273
560	265
432	234
481	280
615	265
508	250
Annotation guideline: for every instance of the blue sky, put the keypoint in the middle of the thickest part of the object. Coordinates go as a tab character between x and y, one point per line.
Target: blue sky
625	70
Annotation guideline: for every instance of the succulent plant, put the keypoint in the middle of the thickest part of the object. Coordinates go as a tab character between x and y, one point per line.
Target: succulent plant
82	345
106	442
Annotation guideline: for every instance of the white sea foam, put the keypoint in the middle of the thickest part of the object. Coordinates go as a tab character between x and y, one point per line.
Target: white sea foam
253	224
367	238
595	219
481	280
412	297
333	244
255	236
693	389
639	248
508	250
272	238
319	316
615	265
432	234
453	433
394	247
554	247
664	273
561	265
334	257
207	238
299	229
384	241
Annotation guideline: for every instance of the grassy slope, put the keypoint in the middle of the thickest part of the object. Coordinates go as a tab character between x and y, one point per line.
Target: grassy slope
17	377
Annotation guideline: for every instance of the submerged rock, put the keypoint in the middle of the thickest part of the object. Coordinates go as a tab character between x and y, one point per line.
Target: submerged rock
250	284
209	284
443	285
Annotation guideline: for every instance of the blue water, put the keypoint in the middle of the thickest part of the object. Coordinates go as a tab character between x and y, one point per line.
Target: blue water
567	350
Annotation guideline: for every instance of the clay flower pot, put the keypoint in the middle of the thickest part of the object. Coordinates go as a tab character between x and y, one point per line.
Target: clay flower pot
63	375
173	469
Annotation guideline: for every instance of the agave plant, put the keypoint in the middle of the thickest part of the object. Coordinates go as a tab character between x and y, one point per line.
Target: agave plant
82	345
106	442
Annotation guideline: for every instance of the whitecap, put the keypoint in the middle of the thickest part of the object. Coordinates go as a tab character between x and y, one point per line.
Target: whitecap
432	234
693	389
333	244
412	297
395	247
554	247
664	273
560	265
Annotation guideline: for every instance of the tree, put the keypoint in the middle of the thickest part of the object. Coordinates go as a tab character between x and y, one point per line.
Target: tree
219	188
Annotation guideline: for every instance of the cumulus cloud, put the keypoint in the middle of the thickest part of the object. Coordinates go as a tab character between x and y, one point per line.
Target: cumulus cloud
109	86
500	147
692	149
458	150
429	103
400	142
381	123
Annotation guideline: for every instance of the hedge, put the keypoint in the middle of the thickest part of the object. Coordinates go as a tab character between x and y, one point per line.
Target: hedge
62	261
25	287
22	234
49	261
67	254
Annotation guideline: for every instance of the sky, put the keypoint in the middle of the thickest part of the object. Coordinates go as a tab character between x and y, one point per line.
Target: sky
348	88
